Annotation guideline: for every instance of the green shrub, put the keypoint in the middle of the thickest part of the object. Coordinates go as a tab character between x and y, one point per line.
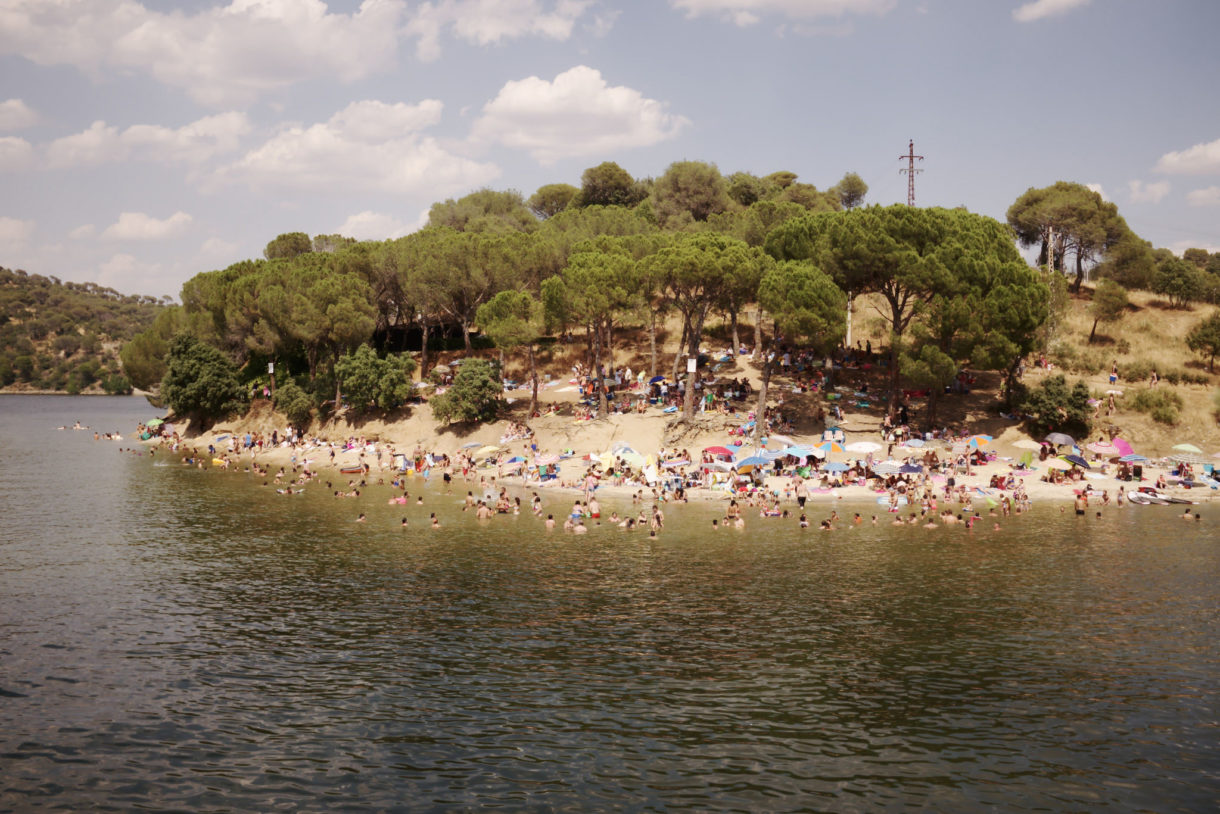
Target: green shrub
1165	415
474	396
295	403
1137	370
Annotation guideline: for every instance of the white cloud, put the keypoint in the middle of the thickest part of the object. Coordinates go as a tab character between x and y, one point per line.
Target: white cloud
139	226
83	232
490	21
217	247
192	143
125	272
16	114
1041	9
1208	196
14	233
218	55
1201	159
577	114
1099	190
1147	193
367	146
15	154
748	12
369	225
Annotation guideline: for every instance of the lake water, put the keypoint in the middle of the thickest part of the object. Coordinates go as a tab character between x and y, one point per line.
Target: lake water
172	639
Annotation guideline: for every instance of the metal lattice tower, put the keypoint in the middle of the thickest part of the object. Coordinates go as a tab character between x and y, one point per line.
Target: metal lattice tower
910	171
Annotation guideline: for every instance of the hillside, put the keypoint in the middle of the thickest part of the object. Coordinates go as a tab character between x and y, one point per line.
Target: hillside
65	337
1150	333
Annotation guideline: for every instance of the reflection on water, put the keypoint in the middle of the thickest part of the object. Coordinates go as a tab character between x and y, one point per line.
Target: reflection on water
179	639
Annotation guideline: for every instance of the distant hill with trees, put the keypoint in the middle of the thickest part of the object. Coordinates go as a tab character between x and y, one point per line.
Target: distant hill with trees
65	337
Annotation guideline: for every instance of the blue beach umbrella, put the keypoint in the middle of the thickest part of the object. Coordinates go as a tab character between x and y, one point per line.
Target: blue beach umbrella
836	466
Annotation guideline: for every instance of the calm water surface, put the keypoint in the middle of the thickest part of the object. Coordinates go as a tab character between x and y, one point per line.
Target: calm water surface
176	639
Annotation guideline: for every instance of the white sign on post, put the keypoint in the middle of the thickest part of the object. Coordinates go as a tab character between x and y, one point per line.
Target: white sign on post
271	367
691	364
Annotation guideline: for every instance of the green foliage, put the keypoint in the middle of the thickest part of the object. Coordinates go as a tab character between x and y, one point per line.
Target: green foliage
370	381
804	303
692	190
200	382
1179	281
144	357
1053	406
294	403
1079	360
1162	404
287	246
608	184
1204	339
511	319
75	327
1078	220
484	210
850	191
474	396
551	199
1108	305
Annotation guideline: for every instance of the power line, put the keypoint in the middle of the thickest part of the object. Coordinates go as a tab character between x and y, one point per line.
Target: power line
910	171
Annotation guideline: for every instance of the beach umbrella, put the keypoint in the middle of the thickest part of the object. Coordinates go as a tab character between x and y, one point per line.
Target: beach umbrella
1028	443
1187	448
797	451
154	422
773	454
656	379
1122	446
619	446
717	466
718	451
836	466
1132	458
547	460
1102	448
1077	460
1057	463
863	446
472	445
887	468
676	463
830	446
516	459
977	441
633	458
913	442
511	465
752	461
487	449
1190	458
1059	439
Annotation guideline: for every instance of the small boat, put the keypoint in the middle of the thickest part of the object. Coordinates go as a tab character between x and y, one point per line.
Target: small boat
352	470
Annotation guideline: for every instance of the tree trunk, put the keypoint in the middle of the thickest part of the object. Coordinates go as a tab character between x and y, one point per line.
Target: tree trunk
678	352
758	318
760	411
610	345
848	337
423	349
599	381
736	338
1079	273
533	381
692	352
338	394
1093	332
466	336
652	345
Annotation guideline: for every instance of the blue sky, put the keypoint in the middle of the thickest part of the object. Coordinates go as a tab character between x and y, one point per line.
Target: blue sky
144	141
